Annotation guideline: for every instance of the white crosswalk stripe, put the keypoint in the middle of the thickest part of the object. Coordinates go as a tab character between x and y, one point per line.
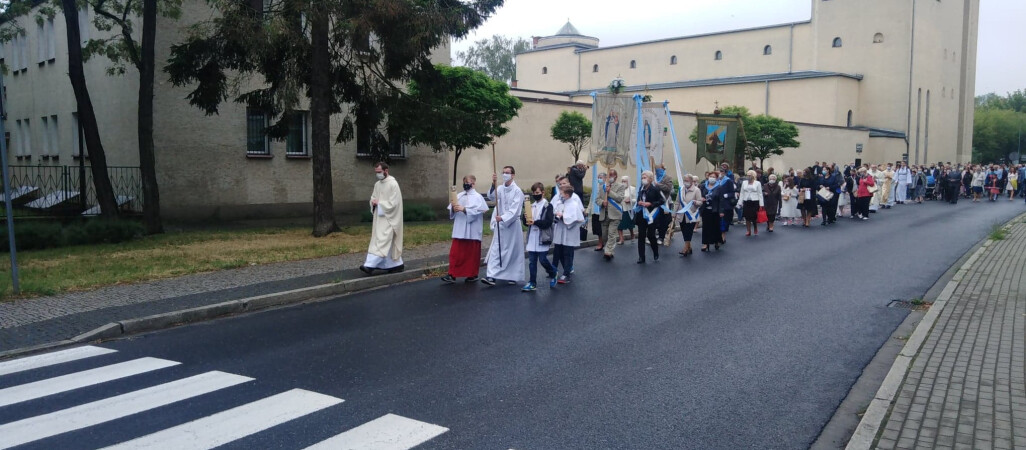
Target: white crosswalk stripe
50	359
90	414
65	383
235	423
388	432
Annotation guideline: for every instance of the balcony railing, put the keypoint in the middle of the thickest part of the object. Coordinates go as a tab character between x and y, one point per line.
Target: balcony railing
69	190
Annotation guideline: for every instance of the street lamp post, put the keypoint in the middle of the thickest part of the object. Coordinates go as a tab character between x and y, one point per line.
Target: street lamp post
7	191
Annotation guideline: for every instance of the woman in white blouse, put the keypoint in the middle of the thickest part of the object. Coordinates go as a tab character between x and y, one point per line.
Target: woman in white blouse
750	196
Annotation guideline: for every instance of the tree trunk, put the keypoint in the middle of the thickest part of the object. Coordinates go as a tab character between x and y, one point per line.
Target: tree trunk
86	115
147	161
320	95
455	163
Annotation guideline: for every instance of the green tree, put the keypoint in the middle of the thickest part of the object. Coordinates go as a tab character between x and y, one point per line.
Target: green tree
122	49
460	109
767	136
997	133
340	56
495	57
573	129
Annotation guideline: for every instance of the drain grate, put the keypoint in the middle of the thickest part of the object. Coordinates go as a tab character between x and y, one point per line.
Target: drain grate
914	305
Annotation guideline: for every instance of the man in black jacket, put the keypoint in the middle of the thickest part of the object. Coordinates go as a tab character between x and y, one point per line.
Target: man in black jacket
954	184
575	174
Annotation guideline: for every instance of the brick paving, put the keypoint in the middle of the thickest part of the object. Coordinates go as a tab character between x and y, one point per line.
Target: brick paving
966	387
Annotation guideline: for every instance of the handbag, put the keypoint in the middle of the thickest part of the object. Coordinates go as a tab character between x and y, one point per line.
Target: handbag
762	217
872	189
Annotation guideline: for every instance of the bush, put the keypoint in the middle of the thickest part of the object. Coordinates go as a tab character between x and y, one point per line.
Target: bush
37	235
412	212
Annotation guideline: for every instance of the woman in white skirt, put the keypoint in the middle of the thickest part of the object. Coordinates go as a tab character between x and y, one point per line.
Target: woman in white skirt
842	201
1013	183
789	202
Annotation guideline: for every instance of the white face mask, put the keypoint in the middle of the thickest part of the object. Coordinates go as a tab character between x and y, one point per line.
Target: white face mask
644	181
380	175
712	180
506	177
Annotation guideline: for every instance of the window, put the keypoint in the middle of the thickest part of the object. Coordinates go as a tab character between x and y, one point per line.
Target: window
25	136
634	64
594	68
878	38
54	139
719	55
837	42
767	50
297	143
51	41
545	70
257	142
45	136
77	138
22	49
849	118
396	144
40	43
673	60
17	138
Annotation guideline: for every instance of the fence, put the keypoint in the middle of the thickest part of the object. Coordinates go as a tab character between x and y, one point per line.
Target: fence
68	190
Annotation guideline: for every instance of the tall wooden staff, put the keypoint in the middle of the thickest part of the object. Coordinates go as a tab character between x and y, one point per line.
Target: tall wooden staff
498	229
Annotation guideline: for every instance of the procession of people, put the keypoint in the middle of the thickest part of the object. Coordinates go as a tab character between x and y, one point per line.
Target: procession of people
557	223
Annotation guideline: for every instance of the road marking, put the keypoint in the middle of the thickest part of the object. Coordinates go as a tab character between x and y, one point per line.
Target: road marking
226	426
64	383
90	414
50	359
387	432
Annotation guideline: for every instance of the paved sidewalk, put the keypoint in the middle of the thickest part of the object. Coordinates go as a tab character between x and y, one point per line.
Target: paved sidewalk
966	387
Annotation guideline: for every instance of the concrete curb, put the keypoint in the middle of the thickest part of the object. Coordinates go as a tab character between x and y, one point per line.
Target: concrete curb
869	427
161	321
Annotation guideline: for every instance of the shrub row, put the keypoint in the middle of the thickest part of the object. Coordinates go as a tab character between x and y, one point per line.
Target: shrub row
412	212
36	235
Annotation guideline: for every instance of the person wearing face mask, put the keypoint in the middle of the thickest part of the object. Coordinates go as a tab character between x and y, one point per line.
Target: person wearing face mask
596	210
569	215
728	187
539	238
714	206
751	199
665	184
772	199
506	253
649	203
903	177
610	200
385	251
690	197
627	218
467	227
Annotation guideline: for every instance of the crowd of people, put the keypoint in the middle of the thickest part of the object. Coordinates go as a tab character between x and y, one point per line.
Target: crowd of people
558	221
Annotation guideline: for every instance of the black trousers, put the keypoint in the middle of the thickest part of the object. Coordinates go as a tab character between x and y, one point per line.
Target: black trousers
830	209
862	205
952	194
851	201
662	224
646	231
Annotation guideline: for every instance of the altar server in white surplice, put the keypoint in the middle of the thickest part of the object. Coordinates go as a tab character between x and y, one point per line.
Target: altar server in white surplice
569	213
385	251
506	254
467	226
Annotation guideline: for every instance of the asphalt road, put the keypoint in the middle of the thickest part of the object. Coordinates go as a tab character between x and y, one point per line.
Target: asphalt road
750	347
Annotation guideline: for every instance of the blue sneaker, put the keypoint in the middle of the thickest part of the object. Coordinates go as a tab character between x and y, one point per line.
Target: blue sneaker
529	287
552	283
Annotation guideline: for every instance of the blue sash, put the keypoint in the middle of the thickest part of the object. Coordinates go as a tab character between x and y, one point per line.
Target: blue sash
615	205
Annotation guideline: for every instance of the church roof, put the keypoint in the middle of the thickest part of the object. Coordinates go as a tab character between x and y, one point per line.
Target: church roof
761	78
568	30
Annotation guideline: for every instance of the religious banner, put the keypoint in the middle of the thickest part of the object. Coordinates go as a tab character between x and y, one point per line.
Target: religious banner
717	138
612	116
654	122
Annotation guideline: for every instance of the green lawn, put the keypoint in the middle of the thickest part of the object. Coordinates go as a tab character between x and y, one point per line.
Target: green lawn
52	271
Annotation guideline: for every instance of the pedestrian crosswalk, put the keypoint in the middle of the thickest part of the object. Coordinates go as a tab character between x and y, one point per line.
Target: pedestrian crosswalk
387	432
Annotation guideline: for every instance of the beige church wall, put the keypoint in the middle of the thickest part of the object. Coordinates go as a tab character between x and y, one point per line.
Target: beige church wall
818	143
834	97
562	70
204	173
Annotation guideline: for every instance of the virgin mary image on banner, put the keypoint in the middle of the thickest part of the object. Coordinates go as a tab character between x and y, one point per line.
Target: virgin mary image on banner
611	120
612	129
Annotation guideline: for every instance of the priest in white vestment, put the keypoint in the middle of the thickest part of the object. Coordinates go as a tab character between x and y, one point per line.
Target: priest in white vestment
467	228
506	254
903	177
385	251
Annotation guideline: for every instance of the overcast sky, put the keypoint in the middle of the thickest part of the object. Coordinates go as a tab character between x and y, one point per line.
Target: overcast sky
1001	60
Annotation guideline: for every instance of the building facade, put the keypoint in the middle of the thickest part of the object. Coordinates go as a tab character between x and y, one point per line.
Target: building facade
903	70
208	167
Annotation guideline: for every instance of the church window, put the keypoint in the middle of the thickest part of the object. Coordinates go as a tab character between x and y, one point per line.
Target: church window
767	50
719	55
634	64
878	38
673	60
594	68
837	42
849	118
545	70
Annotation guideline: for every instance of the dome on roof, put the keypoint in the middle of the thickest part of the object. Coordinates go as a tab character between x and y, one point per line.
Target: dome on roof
568	30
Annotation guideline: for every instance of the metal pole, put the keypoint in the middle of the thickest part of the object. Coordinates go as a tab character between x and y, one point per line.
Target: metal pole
7	194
